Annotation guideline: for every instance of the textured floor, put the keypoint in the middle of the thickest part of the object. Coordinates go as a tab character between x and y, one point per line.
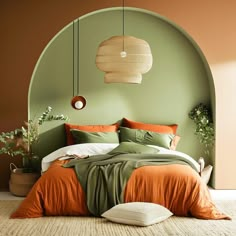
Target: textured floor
86	226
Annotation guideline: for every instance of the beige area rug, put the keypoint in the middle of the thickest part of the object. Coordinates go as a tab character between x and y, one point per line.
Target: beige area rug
89	226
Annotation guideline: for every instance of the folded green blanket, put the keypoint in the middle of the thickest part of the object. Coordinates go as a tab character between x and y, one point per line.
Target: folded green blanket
104	177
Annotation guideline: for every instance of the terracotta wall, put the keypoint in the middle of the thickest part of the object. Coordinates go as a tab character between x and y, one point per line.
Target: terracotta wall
27	26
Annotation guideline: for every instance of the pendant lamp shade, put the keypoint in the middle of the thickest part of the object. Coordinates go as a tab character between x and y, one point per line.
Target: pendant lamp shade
124	59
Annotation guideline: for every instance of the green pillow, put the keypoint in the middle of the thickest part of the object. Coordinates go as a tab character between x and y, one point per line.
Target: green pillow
94	137
131	147
145	137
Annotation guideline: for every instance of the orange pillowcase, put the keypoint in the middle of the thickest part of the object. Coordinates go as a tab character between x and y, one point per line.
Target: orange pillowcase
168	129
174	142
88	128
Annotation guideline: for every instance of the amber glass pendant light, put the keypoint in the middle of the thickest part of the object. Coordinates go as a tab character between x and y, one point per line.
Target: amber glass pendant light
77	102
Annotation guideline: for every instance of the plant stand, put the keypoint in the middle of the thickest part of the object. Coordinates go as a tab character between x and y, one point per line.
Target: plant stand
21	183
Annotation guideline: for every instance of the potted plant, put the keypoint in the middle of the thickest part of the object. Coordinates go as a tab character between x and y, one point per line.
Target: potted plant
202	117
19	142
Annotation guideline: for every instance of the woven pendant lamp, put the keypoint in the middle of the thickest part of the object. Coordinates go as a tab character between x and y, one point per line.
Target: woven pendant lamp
124	58
124	64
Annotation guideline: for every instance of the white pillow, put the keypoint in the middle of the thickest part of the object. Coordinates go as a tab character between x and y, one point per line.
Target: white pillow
137	213
84	149
206	173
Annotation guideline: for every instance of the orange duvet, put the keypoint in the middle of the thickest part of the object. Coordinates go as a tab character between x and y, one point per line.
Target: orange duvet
177	187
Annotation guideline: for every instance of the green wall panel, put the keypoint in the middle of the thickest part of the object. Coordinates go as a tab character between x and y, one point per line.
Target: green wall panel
178	80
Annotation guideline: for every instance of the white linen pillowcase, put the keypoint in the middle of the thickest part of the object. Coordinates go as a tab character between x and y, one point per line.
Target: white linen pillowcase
83	149
137	213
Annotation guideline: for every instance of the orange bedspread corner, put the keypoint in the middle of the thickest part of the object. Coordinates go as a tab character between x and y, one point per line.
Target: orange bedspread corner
177	187
56	193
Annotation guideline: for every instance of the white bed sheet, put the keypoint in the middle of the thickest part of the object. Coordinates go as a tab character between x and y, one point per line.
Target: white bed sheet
91	149
84	149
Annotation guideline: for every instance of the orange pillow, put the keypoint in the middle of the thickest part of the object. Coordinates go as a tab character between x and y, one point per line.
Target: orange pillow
169	129
88	128
174	142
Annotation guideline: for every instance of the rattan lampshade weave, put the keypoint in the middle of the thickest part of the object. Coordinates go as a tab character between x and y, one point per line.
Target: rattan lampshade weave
127	69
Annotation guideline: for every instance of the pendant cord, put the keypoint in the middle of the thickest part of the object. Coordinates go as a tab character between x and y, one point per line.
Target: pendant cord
73	53
123	14
78	57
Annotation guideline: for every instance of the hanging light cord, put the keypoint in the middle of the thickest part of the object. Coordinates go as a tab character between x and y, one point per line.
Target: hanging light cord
123	12
123	52
73	59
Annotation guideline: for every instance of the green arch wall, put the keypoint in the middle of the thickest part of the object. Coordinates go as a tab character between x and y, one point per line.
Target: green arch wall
179	79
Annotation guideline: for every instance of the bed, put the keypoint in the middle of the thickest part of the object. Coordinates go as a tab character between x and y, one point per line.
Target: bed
123	164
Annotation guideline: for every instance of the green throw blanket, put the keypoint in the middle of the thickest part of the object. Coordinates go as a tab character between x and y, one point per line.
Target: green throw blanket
104	177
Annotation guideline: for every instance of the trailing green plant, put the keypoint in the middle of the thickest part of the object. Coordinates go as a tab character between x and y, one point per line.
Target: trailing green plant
19	142
202	117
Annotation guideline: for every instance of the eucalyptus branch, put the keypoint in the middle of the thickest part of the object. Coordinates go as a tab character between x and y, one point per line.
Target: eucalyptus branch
20	141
